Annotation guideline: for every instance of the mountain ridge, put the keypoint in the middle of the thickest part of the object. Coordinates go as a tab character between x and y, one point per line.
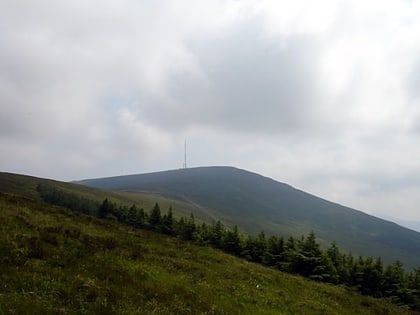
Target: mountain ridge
255	202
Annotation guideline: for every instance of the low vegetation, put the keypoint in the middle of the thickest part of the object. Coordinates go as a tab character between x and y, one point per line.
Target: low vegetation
302	256
60	262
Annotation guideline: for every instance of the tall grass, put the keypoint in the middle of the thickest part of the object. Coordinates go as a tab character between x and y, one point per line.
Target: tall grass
54	261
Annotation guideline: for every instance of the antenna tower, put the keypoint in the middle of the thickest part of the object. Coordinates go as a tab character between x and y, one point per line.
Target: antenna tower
185	154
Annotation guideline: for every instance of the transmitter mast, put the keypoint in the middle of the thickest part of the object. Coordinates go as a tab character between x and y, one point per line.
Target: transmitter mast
185	154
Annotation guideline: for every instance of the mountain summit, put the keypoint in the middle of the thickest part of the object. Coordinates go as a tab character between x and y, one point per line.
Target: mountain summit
256	203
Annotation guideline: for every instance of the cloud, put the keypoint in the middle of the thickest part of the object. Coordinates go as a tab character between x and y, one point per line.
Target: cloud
246	83
320	95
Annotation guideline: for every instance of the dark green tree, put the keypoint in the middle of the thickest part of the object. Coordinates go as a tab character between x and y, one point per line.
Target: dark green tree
106	209
413	283
254	248
395	285
367	276
275	253
135	217
232	242
290	256
217	231
168	222
311	261
338	262
186	229
202	235
155	218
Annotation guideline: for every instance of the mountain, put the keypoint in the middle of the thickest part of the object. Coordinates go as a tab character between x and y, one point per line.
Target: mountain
54	261
256	203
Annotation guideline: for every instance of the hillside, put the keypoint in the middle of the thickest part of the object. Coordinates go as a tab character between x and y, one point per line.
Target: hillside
57	262
26	186
258	203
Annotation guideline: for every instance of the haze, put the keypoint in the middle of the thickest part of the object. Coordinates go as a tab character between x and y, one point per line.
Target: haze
321	95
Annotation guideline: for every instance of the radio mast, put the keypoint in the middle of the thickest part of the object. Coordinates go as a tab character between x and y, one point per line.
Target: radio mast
185	154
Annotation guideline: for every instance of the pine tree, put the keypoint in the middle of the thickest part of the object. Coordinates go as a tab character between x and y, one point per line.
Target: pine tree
337	260
413	284
155	218
254	249
232	242
168	222
395	281
135	217
275	252
217	232
261	248
186	229
249	250
106	209
290	256
369	276
202	235
311	262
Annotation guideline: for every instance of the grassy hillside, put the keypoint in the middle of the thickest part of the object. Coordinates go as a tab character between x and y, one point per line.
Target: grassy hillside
258	203
27	186
57	262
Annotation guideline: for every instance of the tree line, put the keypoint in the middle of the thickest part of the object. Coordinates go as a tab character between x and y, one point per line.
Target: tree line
303	256
59	197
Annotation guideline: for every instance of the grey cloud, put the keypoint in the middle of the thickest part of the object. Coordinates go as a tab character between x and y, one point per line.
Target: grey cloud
247	83
412	81
102	88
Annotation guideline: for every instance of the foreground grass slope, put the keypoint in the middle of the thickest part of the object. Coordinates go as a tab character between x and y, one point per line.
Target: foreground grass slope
57	262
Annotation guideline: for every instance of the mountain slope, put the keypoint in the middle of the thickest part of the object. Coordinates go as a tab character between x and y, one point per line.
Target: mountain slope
58	262
258	203
26	186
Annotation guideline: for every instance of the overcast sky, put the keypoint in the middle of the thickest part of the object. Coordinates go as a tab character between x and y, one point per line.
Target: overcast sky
322	95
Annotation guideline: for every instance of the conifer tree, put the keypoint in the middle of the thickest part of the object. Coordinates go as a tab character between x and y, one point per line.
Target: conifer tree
216	234
413	284
338	266
105	209
290	256
232	242
202	235
274	255
249	251
394	280
186	228
168	222
155	218
311	261
135	217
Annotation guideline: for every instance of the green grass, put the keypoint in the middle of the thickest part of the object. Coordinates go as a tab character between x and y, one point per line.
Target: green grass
24	185
54	261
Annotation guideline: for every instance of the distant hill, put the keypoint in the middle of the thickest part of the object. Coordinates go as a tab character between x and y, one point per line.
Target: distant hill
256	203
54	261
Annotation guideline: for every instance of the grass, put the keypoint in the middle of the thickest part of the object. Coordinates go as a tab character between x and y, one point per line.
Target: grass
54	261
24	185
